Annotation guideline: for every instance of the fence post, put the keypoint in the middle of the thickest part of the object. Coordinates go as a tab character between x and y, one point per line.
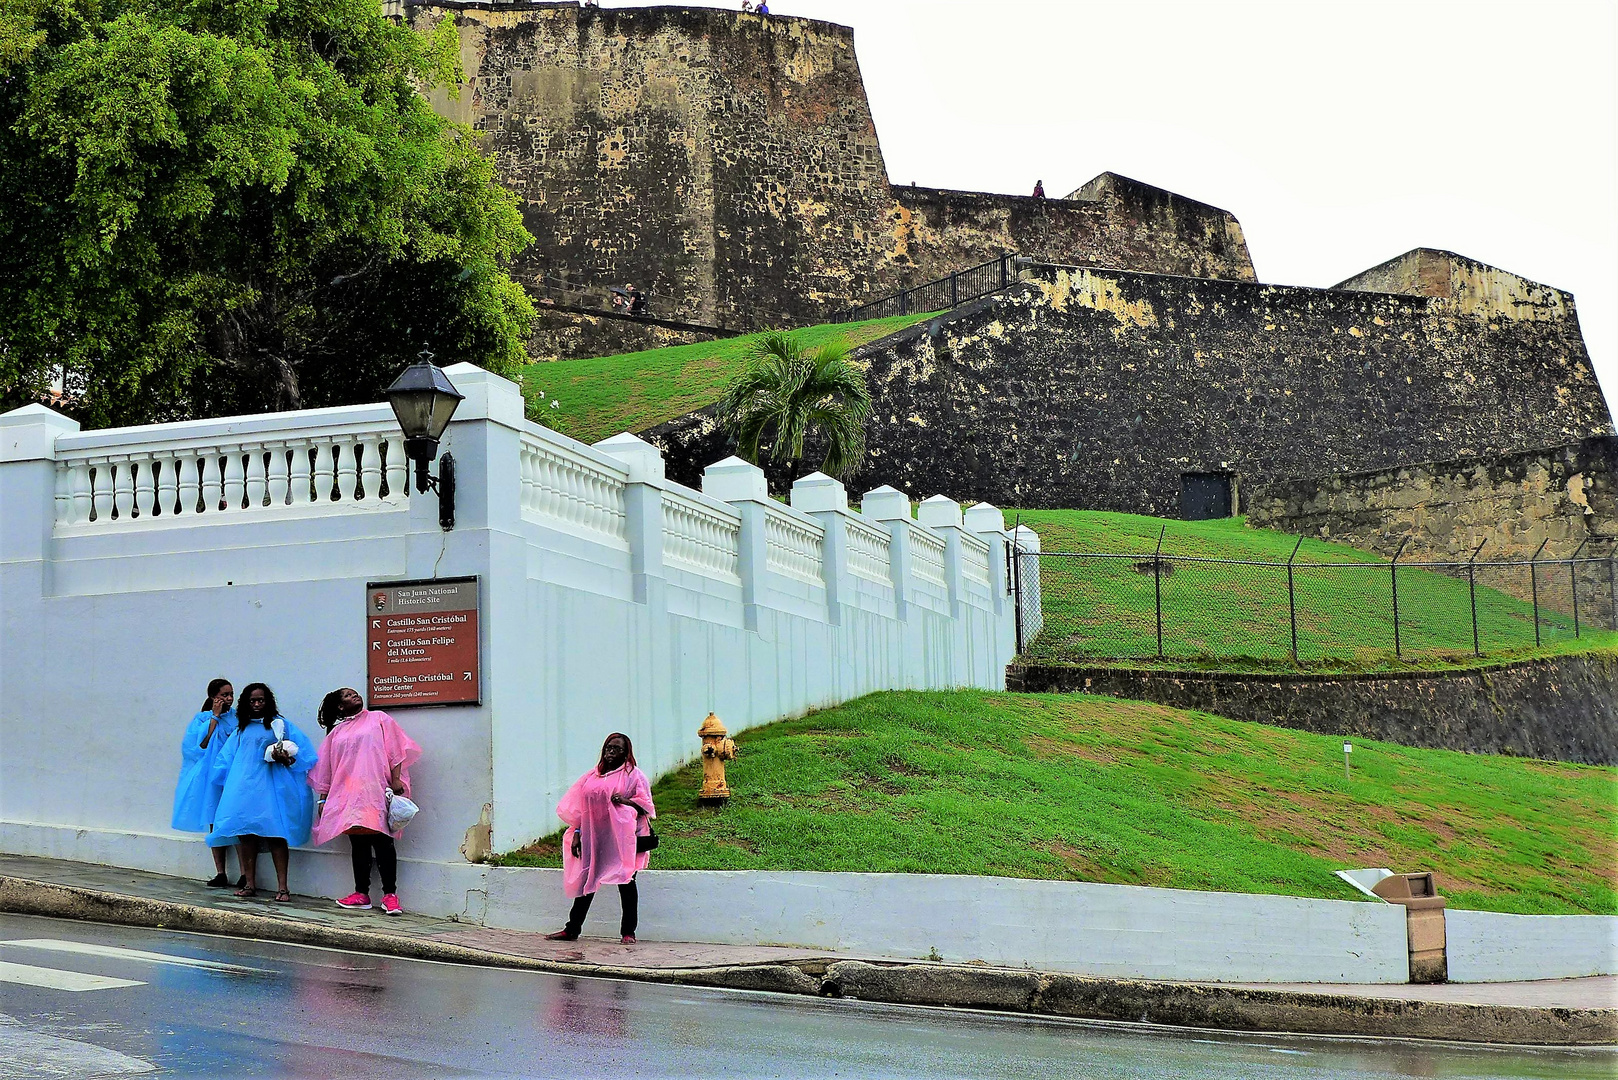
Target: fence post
1292	602
1016	579
1003	257
1393	572
1573	580
1533	584
954	289
904	301
1612	579
1157	587
1472	587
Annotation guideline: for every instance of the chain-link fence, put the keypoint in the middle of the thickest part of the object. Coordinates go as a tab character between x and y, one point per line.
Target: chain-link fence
1088	606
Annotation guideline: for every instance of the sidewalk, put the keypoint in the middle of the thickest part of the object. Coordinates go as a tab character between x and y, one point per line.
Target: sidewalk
1562	1012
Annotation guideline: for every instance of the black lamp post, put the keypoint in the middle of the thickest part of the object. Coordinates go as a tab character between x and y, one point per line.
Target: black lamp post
424	399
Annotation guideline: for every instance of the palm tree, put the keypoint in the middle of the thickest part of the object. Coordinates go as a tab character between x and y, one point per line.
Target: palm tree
785	392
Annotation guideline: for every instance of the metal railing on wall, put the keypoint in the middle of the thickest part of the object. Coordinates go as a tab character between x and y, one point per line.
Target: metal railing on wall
1155	605
959	287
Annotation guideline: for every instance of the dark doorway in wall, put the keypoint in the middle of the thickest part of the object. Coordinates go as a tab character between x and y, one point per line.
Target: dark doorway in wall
1205	495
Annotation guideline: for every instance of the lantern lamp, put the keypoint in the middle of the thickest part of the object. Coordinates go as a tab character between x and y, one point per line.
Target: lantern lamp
423	400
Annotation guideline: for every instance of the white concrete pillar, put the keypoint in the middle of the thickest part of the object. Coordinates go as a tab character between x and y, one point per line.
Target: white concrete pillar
489	540
643	510
28	496
891	507
988	524
742	484
825	499
943	516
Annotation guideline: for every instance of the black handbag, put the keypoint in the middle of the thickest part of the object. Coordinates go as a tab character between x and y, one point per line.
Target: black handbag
647	842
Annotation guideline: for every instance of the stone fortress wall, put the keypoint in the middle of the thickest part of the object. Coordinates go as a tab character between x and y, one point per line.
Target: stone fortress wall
1098	388
728	163
1512	504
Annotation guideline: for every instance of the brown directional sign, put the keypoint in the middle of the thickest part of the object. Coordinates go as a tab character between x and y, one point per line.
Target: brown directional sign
421	643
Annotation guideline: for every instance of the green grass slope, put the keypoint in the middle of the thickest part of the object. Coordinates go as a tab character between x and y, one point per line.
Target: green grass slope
601	396
1076	787
1237	617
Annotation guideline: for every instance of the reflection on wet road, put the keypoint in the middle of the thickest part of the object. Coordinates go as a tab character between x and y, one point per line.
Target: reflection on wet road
261	1009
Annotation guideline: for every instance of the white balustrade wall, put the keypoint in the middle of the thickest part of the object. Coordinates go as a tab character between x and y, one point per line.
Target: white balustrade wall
138	563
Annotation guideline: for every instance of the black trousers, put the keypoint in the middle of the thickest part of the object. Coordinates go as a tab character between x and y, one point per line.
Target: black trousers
628	895
387	861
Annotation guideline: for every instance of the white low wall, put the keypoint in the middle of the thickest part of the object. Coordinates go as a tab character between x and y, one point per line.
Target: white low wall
138	563
1486	946
1110	930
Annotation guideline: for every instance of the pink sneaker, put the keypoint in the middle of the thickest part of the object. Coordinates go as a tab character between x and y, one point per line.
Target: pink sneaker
355	902
390	905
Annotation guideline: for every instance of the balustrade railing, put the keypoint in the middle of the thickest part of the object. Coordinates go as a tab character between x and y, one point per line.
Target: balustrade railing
112	478
561	486
974	560
927	556
701	538
793	548
870	554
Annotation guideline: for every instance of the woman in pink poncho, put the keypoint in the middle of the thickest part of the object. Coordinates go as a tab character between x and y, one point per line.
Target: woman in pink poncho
606	810
366	753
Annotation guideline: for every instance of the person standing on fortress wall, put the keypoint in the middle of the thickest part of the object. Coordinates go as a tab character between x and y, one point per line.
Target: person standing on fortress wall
196	795
366	756
609	835
1039	189
265	799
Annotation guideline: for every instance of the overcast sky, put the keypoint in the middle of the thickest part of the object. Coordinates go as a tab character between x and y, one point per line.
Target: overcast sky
1339	134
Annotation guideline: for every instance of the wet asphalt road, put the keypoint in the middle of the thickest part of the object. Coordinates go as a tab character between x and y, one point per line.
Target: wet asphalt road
264	1009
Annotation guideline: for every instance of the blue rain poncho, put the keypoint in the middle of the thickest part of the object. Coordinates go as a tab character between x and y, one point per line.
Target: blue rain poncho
263	798
197	793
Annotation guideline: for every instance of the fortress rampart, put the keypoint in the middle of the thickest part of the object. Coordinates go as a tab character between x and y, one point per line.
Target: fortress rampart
728	163
1099	389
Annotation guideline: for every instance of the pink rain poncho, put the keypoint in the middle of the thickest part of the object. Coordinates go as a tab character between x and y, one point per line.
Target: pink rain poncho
606	832
356	762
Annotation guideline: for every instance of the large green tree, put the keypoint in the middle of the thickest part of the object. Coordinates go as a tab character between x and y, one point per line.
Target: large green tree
210	206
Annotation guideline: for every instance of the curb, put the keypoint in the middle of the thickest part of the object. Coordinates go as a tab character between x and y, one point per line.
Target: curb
1036	993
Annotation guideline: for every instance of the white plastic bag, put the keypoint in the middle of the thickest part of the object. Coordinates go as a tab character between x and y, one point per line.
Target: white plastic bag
400	811
279	727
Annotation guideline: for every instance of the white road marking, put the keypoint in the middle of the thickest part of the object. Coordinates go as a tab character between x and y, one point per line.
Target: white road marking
52	979
84	948
26	1054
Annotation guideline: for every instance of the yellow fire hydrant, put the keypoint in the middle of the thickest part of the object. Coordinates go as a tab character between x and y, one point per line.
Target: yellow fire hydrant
716	750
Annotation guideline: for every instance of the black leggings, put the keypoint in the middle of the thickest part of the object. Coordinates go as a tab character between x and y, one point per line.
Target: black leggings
627	894
387	861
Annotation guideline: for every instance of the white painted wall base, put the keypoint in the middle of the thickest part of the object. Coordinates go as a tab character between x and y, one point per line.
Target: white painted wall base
1110	930
442	889
1486	946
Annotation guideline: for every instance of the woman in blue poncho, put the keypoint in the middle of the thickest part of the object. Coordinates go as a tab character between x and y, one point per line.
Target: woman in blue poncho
266	799
196	796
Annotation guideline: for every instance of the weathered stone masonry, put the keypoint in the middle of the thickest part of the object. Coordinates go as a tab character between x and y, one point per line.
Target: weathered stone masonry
1562	709
1098	389
729	164
1558	496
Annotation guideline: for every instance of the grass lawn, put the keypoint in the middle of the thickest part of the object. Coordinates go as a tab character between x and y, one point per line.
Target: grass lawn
1237	617
1077	787
604	395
